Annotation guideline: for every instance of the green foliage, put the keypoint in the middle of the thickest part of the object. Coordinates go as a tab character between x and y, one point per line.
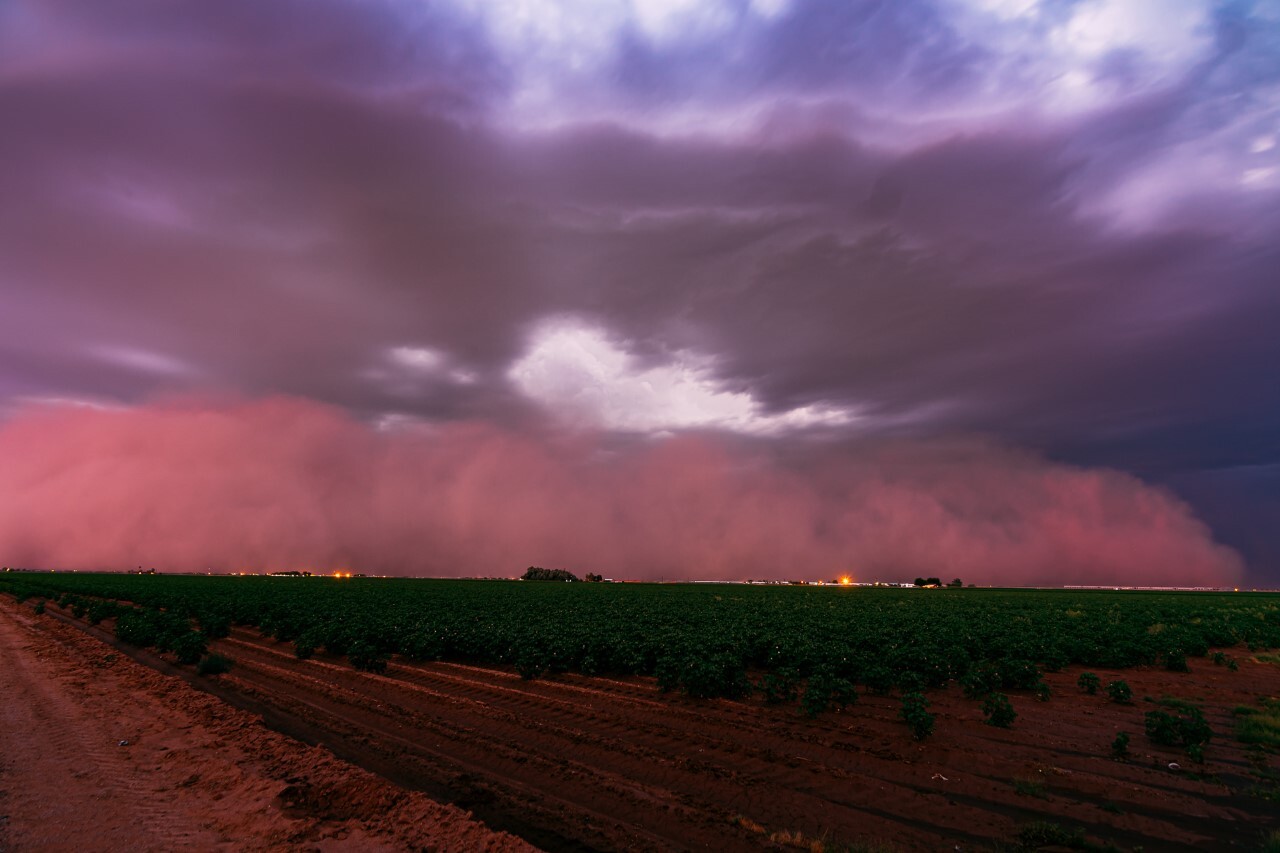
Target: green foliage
537	573
38	608
101	609
1042	834
1030	787
188	647
916	715
697	639
214	664
781	686
999	710
1185	728
367	657
1119	691
1259	726
1089	683
703	676
1120	746
826	689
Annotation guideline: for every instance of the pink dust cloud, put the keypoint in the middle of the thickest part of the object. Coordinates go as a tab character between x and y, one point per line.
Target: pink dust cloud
285	483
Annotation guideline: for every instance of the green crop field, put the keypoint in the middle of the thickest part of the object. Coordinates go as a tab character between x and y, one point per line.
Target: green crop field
817	645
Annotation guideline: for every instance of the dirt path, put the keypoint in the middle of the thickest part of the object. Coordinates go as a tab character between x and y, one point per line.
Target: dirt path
100	753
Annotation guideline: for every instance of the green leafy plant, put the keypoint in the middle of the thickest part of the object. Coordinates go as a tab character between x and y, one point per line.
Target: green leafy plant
999	710
1120	746
188	647
916	715
1187	728
1120	692
214	664
1089	682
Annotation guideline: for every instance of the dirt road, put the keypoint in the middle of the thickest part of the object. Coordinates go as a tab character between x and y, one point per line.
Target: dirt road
100	753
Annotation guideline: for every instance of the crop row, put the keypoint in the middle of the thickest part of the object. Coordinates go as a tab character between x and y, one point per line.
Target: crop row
789	643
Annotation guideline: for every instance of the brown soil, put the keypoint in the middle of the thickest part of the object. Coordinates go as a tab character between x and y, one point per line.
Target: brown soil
100	753
592	763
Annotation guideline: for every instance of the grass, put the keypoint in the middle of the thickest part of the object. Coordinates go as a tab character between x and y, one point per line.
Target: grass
1262	729
1259	726
797	840
1030	787
1180	704
1041	834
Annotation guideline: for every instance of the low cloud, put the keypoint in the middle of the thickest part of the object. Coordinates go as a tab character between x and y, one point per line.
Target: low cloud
285	483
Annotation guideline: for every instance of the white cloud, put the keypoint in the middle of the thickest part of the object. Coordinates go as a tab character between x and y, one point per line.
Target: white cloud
583	376
417	358
142	360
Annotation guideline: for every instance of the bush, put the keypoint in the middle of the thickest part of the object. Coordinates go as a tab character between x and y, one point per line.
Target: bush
999	710
189	647
1019	674
1089	683
704	676
826	689
1120	746
915	713
215	626
100	610
781	686
135	628
1187	728
1119	691
214	664
367	657
980	680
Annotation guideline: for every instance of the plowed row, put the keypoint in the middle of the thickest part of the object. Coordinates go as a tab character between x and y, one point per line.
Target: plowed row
591	763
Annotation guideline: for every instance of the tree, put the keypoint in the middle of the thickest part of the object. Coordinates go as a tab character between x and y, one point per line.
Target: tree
537	573
956	584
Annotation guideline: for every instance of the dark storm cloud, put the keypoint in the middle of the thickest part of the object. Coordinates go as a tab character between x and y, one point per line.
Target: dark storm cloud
899	210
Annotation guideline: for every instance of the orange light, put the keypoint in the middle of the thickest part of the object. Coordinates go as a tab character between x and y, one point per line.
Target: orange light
845	580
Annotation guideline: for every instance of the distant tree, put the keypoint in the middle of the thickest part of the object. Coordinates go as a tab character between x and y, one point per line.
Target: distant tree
956	584
537	573
590	578
928	582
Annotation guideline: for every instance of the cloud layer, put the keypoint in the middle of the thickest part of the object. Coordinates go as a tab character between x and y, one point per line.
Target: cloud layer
290	484
1051	223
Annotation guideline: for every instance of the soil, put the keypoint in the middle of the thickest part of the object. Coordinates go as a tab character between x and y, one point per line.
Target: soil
578	763
100	753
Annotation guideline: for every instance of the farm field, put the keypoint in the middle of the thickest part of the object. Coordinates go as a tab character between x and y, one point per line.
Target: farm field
727	717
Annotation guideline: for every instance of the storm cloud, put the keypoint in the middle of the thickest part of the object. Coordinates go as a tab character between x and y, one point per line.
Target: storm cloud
795	225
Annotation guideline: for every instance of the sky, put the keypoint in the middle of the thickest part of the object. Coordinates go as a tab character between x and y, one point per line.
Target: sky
660	288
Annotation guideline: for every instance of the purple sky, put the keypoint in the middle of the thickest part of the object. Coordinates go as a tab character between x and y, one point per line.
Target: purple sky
802	231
